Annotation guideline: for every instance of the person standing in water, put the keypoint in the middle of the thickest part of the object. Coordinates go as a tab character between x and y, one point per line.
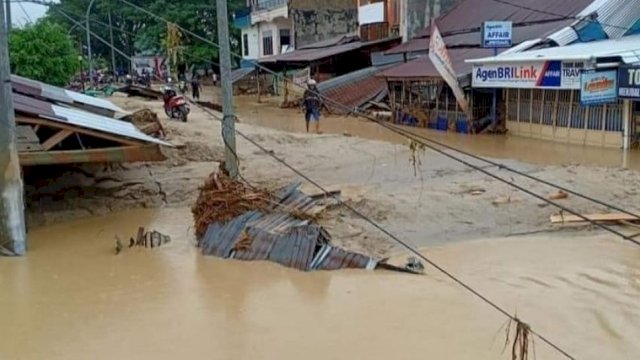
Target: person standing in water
195	87
312	105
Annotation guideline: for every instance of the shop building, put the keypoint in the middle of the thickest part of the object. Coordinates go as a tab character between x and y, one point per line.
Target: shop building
549	94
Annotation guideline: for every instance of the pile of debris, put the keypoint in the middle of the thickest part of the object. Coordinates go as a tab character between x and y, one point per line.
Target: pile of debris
149	239
222	199
148	122
237	222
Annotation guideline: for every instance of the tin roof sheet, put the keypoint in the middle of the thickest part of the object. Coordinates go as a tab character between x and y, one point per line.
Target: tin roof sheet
81	119
352	90
315	54
57	94
422	67
627	48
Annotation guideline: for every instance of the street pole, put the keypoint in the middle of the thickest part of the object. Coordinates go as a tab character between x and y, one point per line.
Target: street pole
113	51
228	120
88	26
494	107
12	226
8	15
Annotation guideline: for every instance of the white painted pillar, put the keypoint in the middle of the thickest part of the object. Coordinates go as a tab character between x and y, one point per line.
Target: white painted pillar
626	120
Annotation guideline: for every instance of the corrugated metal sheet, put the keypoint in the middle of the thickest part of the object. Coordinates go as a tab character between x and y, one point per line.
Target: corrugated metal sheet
241	73
280	237
81	119
627	47
422	67
353	90
315	54
59	95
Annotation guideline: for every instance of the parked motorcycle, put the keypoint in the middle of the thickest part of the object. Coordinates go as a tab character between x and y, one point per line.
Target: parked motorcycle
175	106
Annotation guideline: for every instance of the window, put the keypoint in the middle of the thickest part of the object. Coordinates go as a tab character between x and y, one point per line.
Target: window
267	43
285	38
245	44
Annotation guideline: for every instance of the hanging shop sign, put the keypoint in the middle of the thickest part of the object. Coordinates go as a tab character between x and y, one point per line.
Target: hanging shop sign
598	87
439	56
528	75
629	82
497	34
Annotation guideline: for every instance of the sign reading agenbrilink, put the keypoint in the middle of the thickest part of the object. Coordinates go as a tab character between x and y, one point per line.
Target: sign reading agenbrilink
497	34
629	82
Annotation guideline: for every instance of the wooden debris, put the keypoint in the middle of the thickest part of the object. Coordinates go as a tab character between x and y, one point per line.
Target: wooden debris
151	239
222	198
504	200
613	217
119	246
148	122
559	195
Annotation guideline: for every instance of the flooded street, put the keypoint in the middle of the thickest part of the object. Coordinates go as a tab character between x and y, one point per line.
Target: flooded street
72	298
492	146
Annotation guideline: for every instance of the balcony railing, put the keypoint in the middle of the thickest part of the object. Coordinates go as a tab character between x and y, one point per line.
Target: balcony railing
268	4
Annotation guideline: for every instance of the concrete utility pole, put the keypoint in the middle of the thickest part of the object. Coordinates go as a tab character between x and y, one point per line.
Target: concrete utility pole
113	51
8	15
12	227
228	121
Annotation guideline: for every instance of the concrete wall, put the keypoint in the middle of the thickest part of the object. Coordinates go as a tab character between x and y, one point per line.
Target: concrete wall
252	38
318	20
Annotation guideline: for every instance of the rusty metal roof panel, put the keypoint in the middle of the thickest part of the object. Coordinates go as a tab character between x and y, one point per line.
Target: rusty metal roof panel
260	244
333	258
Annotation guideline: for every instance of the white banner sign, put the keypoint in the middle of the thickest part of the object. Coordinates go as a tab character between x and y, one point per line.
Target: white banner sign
439	56
530	75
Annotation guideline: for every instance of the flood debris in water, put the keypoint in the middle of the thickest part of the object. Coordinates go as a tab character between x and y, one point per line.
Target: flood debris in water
283	228
521	339
222	198
149	239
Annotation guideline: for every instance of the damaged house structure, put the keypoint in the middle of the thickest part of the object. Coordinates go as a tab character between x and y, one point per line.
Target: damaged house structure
418	94
58	126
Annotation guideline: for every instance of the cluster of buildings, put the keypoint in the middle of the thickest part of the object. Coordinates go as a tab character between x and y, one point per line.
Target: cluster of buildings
567	71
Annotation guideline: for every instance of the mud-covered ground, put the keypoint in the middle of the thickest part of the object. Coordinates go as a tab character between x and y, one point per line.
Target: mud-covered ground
433	200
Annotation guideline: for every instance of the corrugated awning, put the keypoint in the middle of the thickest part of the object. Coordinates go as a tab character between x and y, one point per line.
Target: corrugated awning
423	68
626	48
56	94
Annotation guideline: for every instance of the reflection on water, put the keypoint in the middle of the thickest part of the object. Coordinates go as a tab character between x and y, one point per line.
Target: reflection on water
501	147
71	298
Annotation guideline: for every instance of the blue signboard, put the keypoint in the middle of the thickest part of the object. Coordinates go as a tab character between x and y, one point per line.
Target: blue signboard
497	34
629	82
598	87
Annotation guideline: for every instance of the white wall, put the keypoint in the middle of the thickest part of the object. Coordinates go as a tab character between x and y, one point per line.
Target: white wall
254	47
275	27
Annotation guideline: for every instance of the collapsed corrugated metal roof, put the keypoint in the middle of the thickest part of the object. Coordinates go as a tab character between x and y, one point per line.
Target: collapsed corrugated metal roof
59	95
352	90
241	73
82	119
281	237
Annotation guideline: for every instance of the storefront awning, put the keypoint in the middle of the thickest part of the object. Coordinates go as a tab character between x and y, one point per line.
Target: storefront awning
626	48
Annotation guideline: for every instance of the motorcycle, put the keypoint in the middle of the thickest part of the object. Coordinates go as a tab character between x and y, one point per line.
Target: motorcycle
175	106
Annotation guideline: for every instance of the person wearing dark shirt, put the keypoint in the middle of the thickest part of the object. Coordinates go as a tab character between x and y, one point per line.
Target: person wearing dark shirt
195	87
312	105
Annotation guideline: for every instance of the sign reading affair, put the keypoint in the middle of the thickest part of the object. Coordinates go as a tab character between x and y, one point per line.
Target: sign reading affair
629	82
530	75
598	87
497	34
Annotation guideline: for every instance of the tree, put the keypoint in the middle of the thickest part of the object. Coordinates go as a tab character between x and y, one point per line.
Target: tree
43	52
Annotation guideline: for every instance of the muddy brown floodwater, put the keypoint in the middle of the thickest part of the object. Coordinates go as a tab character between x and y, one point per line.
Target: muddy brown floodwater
267	114
72	298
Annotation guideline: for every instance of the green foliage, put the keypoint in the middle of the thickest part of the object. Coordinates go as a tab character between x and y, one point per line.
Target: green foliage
138	33
43	52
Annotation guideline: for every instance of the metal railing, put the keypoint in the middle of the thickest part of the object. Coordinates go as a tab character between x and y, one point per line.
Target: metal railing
268	4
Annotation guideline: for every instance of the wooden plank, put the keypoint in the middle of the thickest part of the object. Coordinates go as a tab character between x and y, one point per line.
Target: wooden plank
80	130
27	140
613	217
56	139
106	155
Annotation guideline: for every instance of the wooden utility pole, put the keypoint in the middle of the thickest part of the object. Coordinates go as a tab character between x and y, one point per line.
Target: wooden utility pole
12	227
229	119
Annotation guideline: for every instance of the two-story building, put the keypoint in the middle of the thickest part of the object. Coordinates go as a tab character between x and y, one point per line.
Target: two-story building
273	27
